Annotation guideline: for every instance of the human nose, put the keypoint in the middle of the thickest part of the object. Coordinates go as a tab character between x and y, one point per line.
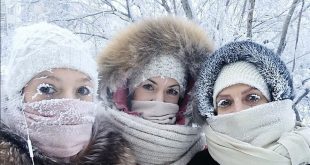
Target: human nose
159	96
67	94
239	106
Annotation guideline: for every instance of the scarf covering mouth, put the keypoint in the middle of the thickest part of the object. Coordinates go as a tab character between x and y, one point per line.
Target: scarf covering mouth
264	134
59	127
154	143
156	111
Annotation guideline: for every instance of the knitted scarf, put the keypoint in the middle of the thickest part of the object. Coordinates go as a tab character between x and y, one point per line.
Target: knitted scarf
155	143
264	134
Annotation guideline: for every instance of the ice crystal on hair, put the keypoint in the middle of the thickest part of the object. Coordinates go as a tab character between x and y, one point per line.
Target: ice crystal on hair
43	77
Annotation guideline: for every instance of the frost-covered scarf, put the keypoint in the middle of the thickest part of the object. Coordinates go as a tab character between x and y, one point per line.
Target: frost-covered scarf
156	111
263	134
60	127
154	143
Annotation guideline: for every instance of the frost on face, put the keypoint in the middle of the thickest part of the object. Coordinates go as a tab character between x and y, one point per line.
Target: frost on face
50	70
91	90
42	85
43	77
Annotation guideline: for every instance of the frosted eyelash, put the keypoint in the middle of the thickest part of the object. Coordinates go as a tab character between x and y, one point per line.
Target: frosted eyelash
91	90
38	90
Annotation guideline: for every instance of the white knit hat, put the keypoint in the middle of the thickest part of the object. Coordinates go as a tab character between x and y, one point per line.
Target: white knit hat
240	73
42	46
163	66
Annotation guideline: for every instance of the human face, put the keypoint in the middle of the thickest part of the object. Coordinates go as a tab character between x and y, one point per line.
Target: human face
58	84
158	89
237	98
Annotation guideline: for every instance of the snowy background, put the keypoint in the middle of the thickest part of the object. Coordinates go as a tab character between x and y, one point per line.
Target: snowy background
282	25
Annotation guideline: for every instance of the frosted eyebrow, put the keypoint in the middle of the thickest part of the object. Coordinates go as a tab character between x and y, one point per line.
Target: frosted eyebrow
46	76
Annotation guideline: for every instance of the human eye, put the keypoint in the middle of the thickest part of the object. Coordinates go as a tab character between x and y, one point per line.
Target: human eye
224	103
253	98
84	90
173	91
148	87
47	89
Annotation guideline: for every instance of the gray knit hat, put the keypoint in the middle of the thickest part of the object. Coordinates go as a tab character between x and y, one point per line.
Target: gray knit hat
163	66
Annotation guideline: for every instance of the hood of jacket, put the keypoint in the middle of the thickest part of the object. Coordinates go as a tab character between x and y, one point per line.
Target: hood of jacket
269	65
136	46
107	146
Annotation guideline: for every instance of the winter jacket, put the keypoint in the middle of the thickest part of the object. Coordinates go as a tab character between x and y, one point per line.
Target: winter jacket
106	146
201	158
128	53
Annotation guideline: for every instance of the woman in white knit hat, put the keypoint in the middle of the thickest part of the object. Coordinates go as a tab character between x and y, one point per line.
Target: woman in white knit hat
245	93
146	72
49	112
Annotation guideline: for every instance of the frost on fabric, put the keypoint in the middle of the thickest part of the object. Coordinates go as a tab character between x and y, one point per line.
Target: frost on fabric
60	111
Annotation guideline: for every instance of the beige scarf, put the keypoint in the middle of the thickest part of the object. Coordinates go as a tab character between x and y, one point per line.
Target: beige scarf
155	143
156	111
263	134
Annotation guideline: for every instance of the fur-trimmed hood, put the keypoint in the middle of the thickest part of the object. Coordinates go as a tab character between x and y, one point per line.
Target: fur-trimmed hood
269	65
133	48
106	146
130	51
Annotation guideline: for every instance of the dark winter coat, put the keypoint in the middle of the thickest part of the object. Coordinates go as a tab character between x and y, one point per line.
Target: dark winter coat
135	47
203	158
269	65
106	147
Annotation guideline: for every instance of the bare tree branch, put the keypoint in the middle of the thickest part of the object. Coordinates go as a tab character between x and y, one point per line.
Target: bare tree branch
202	7
297	34
165	5
129	11
298	57
250	19
92	35
187	9
116	11
306	92
285	27
79	18
174	7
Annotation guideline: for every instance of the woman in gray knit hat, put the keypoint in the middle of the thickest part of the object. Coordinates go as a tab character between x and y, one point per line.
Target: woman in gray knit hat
244	93
146	72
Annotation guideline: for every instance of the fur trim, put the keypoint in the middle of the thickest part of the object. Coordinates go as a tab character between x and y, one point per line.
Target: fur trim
14	150
133	48
269	65
107	146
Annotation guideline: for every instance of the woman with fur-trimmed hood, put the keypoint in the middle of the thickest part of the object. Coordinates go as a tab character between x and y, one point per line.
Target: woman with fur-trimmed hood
146	72
49	109
244	94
